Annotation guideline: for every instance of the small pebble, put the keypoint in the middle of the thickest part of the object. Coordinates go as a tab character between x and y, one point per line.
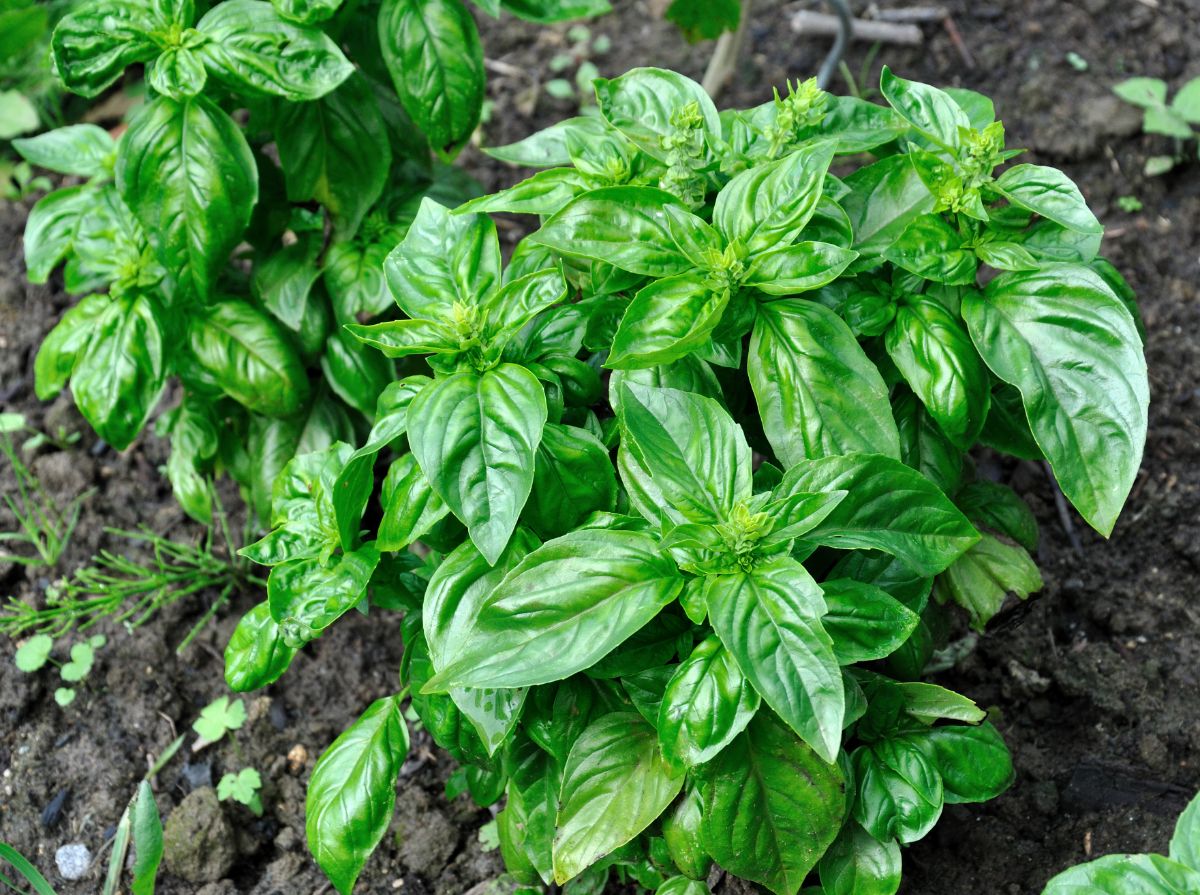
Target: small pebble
52	813
73	860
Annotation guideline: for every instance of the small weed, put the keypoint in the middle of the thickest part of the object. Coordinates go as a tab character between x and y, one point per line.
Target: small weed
34	654
242	787
579	57
219	718
1129	204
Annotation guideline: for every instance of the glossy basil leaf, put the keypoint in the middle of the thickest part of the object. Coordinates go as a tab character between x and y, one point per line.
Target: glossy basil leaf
352	792
475	437
899	791
306	596
625	226
1185	843
572	478
770	621
249	357
681	832
772	806
1006	256
937	359
1050	193
356	376
885	197
59	351
999	508
306	12
864	621
583	594
187	173
85	150
544	193
857	125
94	43
931	111
402	338
798	268
122	368
707	703
547	148
645	104
923	444
982	578
410	505
768	205
547	12
932	249
1007	426
519	300
615	783
693	451
1072	349
284	280
666	320
50	229
1126	875
431	49
859	864
256	654
817	391
973	762
681	885
888	507
194	443
335	150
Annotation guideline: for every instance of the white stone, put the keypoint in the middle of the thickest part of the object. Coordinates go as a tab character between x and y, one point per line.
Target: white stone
73	860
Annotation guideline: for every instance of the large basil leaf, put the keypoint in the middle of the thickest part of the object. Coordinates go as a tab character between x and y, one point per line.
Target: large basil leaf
768	205
817	391
899	791
431	49
707	703
982	578
352	792
864	621
356	376
859	864
888	507
256	654
642	104
923	444
249	357
798	268
475	437
307	596
122	369
694	452
564	607
573	477
935	356
410	506
188	175
931	111
770	620
50	229
1072	349
615	783
306	12
85	150
94	43
56	356
625	226
933	250
335	150
666	320
772	806
973	762
1126	875
1049	193
884	198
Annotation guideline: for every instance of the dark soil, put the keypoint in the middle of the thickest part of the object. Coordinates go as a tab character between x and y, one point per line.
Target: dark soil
1096	687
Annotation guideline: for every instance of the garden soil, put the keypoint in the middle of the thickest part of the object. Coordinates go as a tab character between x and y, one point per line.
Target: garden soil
1096	686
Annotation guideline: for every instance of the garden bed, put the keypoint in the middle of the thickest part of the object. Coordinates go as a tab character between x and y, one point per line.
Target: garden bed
1096	686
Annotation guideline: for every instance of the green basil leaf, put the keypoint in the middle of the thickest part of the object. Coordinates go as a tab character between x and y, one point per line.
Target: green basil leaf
307	12
410	505
147	833
573	477
122	369
885	572
335	150
666	320
888	507
445	258
1050	193
885	197
194	444
857	125
973	762
937	359
84	150
625	226
543	193
983	577
518	301
306	596
356	376
706	704
643	102
93	44
249	357
772	806
189	177
57	355
681	885
694	452
817	391
998	507
179	72
923	444
1185	843
50	229
475	437
402	338
768	205
1007	426
932	249
284	280
1068	344
431	49
256	654
798	268
563	608
1006	256
548	148
547	12
352	792
864	621
859	864
931	111
770	620
899	791
1126	875
615	783
681	828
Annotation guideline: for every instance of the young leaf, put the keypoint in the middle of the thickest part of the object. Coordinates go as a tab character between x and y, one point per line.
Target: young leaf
84	150
973	762
1050	193
256	654
864	621
859	864
219	717
982	578
352	792
306	596
666	320
147	833
899	791
929	110
615	783
33	653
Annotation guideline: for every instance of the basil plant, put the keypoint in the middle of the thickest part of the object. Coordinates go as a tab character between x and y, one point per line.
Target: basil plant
230	249
676	503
